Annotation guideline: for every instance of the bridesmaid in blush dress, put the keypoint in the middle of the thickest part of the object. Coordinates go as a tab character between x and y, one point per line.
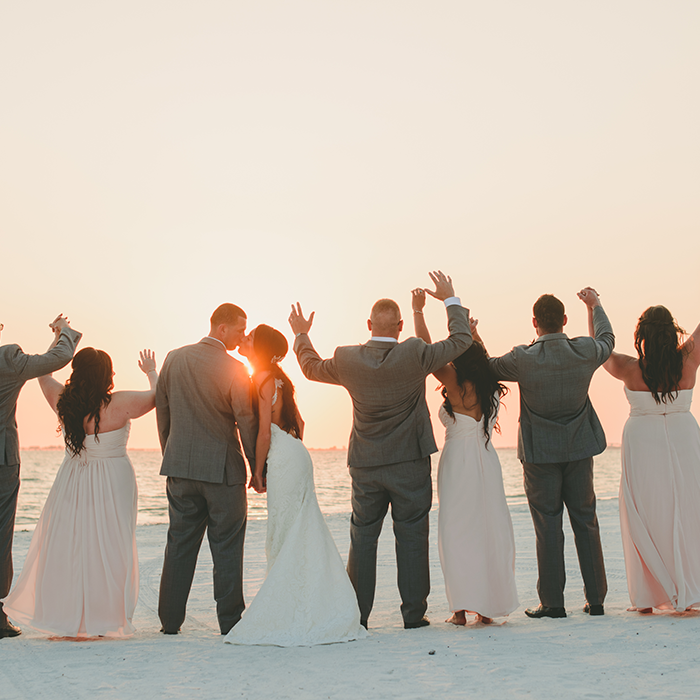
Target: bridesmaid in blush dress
475	532
80	578
660	481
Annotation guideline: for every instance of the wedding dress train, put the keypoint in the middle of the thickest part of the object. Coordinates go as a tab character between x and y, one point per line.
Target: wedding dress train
307	597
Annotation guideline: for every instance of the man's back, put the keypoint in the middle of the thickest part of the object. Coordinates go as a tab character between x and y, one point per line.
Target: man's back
557	420
202	400
386	381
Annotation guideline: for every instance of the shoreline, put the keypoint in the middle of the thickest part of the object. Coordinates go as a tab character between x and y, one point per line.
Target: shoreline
621	654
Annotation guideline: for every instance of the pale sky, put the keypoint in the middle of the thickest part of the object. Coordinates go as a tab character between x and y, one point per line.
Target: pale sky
159	158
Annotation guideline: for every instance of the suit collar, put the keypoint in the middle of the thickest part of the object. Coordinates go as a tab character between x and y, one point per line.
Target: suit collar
374	343
551	336
213	342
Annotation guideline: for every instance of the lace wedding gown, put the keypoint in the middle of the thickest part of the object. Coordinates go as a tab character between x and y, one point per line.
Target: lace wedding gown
307	597
80	577
660	502
475	532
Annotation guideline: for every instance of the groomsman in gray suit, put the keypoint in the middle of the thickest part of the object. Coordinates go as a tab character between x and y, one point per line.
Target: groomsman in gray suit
391	440
203	400
559	433
16	368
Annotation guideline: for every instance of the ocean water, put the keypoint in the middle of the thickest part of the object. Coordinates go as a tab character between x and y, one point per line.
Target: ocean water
39	468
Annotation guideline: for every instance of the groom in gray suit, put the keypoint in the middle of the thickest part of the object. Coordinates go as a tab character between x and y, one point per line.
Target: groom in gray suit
391	440
16	368
203	400
559	433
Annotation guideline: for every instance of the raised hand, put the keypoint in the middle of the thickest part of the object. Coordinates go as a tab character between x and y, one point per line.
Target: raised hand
147	361
297	321
59	323
589	297
418	299
443	285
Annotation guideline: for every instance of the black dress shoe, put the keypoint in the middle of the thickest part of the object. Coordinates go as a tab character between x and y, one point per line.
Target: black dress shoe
364	624
593	609
424	622
164	631
10	630
544	611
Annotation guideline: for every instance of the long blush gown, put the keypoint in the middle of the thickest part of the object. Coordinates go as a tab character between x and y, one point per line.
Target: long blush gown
475	531
307	597
660	502
80	577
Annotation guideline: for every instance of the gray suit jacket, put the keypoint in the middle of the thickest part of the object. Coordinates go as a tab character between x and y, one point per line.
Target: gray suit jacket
557	420
386	382
203	399
16	368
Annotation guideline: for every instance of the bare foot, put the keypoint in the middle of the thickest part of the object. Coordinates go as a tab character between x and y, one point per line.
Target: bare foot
484	620
643	611
458	618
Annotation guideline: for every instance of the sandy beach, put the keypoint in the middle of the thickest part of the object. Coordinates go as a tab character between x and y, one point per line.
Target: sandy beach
621	655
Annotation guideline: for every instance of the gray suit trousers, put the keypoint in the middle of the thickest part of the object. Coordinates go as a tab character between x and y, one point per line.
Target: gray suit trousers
196	506
548	487
9	488
407	486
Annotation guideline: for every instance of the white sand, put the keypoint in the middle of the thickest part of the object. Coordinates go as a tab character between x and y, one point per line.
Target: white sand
621	655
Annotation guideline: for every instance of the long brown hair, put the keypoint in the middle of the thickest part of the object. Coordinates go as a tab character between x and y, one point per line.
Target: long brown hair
270	348
87	391
473	366
657	340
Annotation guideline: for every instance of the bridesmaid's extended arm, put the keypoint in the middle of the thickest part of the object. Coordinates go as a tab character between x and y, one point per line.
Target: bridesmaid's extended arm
419	325
134	404
265	388
692	347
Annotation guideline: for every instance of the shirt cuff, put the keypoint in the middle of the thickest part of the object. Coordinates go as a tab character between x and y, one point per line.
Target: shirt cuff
452	301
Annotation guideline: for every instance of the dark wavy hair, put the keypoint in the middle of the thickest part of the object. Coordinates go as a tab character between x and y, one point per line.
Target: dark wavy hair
658	345
269	348
87	391
473	366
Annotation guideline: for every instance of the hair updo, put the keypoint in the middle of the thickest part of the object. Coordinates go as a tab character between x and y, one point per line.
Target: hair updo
657	342
87	391
269	348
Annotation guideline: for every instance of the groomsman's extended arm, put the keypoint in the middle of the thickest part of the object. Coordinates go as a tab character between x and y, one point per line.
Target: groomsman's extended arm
505	367
603	334
310	361
31	366
437	355
312	365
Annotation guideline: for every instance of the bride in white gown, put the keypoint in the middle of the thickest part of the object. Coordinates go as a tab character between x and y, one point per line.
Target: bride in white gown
307	597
